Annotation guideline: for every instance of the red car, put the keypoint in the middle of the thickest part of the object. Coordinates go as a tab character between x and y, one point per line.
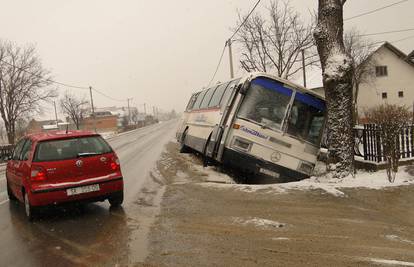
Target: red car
63	166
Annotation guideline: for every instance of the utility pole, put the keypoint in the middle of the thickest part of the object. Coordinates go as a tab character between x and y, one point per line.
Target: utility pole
303	68
129	111
57	124
93	109
145	109
231	59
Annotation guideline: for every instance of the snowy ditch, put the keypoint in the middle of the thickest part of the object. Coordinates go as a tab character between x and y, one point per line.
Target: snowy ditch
370	180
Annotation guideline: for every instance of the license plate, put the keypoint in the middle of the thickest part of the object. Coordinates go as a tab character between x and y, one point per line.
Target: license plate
269	173
82	189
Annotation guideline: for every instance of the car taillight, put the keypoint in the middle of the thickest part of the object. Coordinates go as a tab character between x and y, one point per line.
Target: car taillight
115	164
37	174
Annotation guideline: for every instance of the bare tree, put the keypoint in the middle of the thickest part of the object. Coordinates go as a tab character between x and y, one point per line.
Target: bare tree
360	50
337	81
275	43
23	85
74	107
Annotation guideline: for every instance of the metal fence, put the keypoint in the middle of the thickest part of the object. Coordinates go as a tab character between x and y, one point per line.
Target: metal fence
5	152
368	143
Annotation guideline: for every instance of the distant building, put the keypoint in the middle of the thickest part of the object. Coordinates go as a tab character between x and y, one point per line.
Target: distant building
104	122
393	82
35	126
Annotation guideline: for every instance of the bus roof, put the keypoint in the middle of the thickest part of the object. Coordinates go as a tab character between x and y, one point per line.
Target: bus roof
290	84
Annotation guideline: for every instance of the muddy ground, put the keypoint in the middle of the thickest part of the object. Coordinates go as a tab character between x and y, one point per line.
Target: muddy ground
201	225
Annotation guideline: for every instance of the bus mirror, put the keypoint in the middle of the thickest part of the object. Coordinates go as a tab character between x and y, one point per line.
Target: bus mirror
244	87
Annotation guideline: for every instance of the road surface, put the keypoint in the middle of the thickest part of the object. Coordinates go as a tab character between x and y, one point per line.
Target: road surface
92	234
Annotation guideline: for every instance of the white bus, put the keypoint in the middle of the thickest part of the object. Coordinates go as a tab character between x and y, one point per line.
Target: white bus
259	124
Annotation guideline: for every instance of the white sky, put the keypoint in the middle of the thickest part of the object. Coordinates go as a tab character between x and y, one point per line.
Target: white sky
157	52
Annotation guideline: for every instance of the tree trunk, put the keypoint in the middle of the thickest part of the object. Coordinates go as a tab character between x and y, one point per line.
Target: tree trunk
337	81
11	133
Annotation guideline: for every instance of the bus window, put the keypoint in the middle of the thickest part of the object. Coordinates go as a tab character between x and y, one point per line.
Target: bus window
228	92
218	94
207	97
191	102
265	103
200	97
306	118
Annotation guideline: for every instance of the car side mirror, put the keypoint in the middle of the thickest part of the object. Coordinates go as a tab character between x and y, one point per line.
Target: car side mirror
244	87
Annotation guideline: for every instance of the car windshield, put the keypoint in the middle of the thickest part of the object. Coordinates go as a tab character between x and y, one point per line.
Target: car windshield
265	103
71	148
306	118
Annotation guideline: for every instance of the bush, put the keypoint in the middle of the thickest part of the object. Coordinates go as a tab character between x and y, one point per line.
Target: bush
391	119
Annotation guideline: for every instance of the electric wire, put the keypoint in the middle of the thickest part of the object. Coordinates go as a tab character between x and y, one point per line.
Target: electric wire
229	40
375	10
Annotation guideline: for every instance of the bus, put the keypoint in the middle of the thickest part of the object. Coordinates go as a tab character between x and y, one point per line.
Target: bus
259	124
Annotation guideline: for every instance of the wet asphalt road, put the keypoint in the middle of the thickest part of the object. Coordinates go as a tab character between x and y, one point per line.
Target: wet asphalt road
89	234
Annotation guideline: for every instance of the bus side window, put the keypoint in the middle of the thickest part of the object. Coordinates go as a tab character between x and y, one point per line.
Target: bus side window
199	99
218	94
207	97
228	92
191	102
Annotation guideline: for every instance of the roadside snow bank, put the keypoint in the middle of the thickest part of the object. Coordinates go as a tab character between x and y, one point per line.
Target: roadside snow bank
392	262
371	180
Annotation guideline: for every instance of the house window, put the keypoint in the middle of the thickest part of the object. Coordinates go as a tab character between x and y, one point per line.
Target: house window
381	71
401	94
384	95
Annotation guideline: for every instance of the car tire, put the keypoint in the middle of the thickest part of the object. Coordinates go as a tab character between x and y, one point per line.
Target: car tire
10	192
116	199
31	212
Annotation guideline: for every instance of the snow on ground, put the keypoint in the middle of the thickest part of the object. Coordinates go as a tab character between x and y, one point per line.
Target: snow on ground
371	180
399	239
258	222
392	262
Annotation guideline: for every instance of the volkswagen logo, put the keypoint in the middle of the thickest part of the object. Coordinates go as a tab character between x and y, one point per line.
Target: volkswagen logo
79	163
275	157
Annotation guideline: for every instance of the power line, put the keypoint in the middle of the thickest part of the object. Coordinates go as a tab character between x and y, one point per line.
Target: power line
245	19
107	96
387	32
44	79
375	10
403	39
229	39
218	65
60	83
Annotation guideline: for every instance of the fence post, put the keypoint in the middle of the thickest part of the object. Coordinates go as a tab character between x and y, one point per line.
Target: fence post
364	142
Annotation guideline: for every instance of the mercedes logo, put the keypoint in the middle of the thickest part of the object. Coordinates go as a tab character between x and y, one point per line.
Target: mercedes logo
79	163
275	157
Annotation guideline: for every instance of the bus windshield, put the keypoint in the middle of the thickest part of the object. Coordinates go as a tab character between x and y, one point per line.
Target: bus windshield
265	103
306	118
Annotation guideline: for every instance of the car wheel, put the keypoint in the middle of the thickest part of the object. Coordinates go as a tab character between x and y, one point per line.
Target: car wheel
116	199
10	192
30	211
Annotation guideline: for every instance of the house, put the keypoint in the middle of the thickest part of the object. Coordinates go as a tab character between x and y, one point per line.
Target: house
393	82
102	122
35	126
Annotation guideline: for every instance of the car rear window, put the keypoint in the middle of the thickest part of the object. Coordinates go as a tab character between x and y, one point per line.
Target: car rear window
71	148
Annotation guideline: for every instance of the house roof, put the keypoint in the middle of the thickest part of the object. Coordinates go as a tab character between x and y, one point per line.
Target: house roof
398	53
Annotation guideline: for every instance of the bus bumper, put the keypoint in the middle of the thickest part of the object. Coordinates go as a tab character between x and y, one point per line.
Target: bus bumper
260	168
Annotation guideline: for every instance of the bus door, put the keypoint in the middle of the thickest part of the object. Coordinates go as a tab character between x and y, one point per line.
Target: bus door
219	131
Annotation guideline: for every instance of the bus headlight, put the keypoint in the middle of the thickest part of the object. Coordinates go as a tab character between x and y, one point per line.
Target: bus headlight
306	167
241	144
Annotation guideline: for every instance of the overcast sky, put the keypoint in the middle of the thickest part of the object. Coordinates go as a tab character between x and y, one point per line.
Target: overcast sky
157	52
